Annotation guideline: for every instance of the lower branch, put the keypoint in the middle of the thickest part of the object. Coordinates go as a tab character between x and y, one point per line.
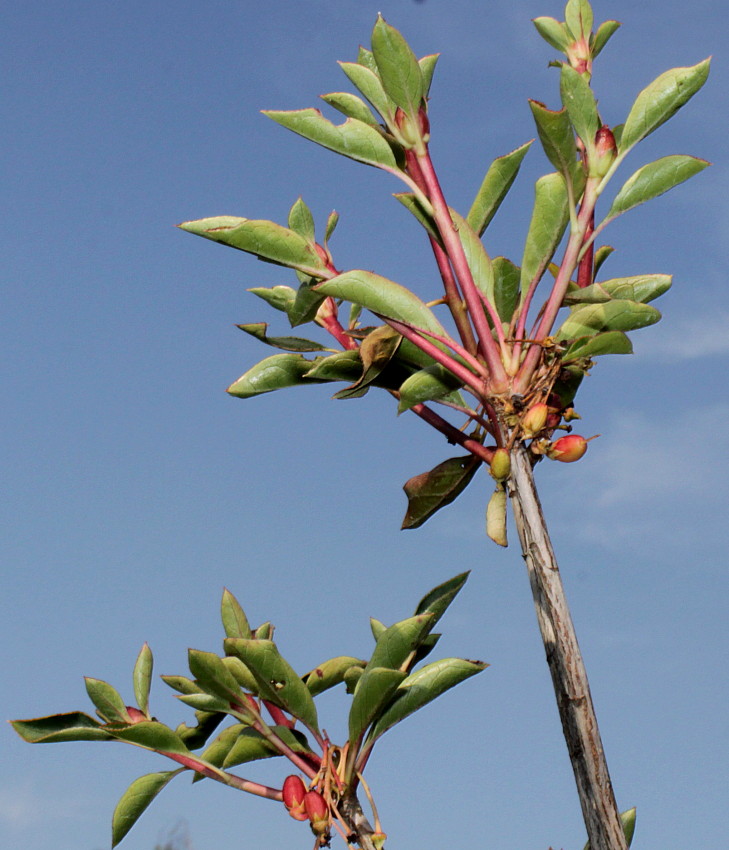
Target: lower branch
569	677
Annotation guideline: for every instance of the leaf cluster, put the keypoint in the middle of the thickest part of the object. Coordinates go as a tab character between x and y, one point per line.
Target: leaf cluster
270	708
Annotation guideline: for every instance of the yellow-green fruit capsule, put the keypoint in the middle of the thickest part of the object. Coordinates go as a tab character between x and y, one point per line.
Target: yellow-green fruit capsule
500	465
496	516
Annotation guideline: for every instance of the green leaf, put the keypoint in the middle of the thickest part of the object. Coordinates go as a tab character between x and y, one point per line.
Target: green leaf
330	673
496	516
370	85
142	678
182	684
660	100
627	819
374	690
107	700
427	67
216	752
553	32
579	101
610	342
366	58
57	728
342	366
273	373
494	188
423	686
306	304
213	676
353	139
642	288
506	287
194	737
301	220
288	343
135	800
351	106
351	677
433	382
437	600
602	253
331	225
653	180
268	241
578	17
383	297
279	297
264	631
556	135
430	491
151	735
398	641
398	68
617	315
277	680
233	616
240	673
206	703
602	35
250	745
550	215
377	627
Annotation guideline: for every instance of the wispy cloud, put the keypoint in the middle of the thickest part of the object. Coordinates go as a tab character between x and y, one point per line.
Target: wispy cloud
687	338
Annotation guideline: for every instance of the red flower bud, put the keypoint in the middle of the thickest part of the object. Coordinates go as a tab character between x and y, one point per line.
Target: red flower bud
605	152
317	811
135	715
568	449
294	792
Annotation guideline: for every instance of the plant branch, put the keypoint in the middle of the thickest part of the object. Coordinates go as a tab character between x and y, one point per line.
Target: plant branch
452	242
452	434
569	677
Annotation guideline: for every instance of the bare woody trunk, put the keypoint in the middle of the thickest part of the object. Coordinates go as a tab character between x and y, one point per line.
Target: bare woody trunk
569	677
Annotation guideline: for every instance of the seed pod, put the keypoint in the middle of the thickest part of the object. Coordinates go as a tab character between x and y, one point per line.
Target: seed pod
294	792
500	465
317	811
496	516
568	449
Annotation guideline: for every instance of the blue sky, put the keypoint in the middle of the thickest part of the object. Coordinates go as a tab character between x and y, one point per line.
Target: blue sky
136	489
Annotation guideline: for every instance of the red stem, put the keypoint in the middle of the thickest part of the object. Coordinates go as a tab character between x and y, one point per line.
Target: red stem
486	344
452	434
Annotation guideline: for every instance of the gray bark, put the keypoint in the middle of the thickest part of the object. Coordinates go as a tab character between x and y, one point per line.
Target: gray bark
566	666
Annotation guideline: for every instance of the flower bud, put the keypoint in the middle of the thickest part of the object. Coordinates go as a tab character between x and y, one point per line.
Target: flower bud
317	811
534	419
294	792
605	152
135	715
500	465
568	449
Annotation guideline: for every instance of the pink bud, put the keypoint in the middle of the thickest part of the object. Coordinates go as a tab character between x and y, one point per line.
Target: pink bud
135	715
568	449
317	811
605	152
294	792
